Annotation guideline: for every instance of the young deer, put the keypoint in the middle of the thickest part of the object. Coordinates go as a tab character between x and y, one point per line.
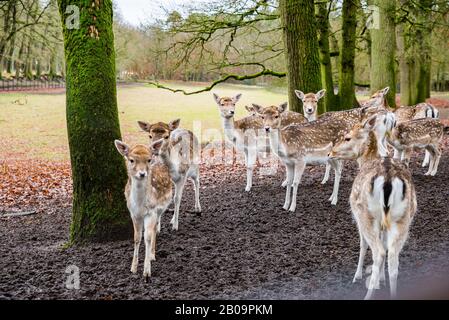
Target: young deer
243	133
148	193
310	143
418	111
182	160
298	145
420	133
383	202
310	103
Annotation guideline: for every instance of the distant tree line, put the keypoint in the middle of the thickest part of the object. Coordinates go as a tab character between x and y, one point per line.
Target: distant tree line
30	40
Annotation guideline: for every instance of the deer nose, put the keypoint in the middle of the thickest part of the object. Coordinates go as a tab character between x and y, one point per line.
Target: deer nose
267	129
231	112
142	174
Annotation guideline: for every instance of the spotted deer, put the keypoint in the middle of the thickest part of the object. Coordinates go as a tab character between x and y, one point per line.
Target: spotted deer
383	203
418	111
182	159
310	103
300	144
425	133
148	194
243	133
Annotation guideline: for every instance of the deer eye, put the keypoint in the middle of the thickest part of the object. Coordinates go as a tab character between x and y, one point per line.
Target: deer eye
149	160
262	117
347	139
151	137
276	117
166	137
131	160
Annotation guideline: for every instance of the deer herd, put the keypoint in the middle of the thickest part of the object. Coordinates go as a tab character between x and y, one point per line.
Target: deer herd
382	199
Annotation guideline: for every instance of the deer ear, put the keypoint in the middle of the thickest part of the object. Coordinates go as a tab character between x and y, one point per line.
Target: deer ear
257	107
320	94
236	97
299	94
385	90
145	126
249	109
156	146
174	124
282	107
216	98
122	147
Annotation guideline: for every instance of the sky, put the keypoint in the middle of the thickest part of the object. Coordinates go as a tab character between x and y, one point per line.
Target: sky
137	11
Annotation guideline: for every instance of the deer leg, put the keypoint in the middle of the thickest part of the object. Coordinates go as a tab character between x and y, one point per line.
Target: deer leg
405	156
290	172
138	225
436	160
179	188
326	174
196	183
285	182
251	158
396	241
378	252
426	159
150	223
397	154
363	247
298	171
337	166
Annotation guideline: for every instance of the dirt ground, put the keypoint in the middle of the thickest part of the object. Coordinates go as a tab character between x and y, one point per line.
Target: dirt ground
243	246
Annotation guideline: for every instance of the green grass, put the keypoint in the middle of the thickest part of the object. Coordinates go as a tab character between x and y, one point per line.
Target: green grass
37	129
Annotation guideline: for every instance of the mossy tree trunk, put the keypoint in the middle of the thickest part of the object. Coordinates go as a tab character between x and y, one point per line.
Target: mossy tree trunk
383	48
301	49
331	101
98	171
346	91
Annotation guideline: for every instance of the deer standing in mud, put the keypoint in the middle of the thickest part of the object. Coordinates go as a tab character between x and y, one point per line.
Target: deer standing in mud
425	133
383	203
148	194
244	133
182	159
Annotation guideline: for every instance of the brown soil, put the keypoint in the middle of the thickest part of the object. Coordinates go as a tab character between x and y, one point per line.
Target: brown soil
243	246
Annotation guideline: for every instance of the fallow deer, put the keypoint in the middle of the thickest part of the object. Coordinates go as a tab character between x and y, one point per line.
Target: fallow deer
243	133
425	133
310	103
418	111
182	160
148	193
310	143
383	203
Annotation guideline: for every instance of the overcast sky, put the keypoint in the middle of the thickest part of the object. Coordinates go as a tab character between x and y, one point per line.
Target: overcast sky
137	11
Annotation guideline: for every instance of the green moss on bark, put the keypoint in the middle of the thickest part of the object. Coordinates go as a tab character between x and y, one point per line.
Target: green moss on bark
301	49
99	175
383	48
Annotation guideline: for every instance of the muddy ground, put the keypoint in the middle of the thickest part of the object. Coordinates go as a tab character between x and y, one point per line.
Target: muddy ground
243	246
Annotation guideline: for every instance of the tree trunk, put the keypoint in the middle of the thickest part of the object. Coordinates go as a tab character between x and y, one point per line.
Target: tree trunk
301	49
383	45
347	54
98	171
322	15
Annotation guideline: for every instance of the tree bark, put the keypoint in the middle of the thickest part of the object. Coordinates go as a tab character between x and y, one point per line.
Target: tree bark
331	101
347	55
301	49
98	171
383	45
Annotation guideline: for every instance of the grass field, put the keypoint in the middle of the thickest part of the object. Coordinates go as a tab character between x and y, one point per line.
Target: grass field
37	128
